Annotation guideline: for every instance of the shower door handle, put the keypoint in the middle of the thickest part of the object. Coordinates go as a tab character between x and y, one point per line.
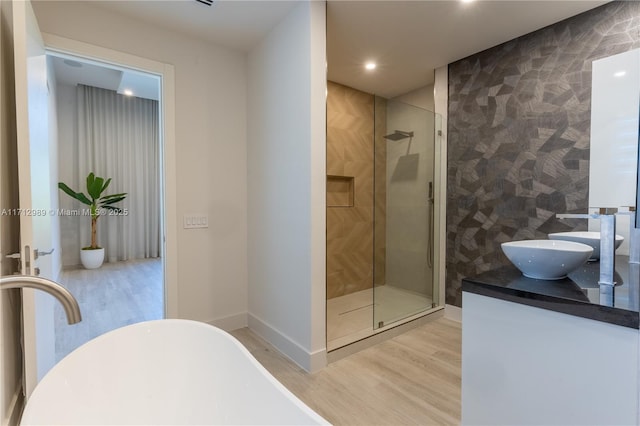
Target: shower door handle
430	213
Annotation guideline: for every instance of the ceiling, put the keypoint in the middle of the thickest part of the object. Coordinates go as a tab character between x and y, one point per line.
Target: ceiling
238	24
75	71
408	39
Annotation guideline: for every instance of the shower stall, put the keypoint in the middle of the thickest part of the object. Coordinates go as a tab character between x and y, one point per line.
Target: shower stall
380	213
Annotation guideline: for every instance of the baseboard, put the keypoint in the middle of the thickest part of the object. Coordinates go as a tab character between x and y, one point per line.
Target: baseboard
14	410
230	323
310	361
453	313
72	267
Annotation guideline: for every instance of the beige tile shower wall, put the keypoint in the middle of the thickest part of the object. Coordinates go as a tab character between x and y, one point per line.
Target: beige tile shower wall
350	124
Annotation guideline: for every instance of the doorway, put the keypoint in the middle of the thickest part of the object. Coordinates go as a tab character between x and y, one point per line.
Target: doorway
36	182
107	120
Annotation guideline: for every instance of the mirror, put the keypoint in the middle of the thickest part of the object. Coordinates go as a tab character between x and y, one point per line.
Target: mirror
638	183
613	164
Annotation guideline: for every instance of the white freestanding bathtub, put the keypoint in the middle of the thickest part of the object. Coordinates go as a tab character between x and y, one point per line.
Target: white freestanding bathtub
164	372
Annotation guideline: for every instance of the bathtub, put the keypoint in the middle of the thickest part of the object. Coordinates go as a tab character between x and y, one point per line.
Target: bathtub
164	372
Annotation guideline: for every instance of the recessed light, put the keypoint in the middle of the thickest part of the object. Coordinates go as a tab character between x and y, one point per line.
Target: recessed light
467	1
370	66
620	74
127	92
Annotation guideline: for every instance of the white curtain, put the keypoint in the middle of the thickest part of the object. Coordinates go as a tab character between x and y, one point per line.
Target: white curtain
118	139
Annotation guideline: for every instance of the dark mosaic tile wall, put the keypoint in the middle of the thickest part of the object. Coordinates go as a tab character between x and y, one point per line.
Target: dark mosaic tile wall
518	136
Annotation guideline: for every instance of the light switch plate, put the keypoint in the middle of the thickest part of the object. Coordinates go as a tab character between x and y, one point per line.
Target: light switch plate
192	221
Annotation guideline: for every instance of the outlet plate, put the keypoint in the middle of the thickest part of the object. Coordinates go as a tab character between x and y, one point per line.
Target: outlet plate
193	221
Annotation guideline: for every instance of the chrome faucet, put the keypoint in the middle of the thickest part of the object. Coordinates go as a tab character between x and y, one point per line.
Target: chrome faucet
607	216
69	303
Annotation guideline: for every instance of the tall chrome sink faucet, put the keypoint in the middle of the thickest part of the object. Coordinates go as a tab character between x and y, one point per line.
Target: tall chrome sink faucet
69	303
607	216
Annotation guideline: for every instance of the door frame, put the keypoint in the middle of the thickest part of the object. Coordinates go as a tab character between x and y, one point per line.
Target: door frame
64	46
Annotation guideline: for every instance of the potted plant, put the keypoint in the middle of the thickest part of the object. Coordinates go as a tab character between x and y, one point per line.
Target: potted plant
93	255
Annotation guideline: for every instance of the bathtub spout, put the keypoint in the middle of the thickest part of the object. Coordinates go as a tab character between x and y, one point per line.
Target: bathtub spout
69	303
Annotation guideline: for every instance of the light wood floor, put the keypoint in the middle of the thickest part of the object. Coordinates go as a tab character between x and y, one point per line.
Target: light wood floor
115	295
411	379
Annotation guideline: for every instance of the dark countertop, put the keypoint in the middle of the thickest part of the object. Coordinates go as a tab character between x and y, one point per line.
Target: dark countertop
579	294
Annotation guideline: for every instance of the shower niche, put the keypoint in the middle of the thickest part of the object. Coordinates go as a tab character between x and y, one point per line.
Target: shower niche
380	213
340	191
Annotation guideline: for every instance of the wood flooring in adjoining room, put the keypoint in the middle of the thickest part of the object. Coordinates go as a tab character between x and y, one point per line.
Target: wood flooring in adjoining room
115	295
413	378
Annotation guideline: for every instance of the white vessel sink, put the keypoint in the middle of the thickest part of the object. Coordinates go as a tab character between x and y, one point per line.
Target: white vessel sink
585	237
546	259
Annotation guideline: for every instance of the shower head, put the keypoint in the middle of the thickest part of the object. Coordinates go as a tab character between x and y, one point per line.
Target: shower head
399	135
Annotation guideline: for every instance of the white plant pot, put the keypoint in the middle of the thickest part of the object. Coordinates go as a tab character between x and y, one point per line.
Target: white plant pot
92	259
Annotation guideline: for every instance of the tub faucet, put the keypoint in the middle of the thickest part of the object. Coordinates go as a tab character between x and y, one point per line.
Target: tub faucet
69	303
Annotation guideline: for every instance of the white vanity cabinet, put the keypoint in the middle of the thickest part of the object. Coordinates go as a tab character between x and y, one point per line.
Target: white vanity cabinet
524	362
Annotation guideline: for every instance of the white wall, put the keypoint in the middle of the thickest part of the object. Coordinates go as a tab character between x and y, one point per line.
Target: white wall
422	97
286	187
210	87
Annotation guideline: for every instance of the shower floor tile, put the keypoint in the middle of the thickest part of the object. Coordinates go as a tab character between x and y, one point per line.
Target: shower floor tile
351	317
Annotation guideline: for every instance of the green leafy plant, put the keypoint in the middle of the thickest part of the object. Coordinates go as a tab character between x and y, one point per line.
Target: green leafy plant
96	202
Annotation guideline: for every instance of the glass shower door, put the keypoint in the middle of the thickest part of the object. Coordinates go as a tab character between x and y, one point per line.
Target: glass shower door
404	211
